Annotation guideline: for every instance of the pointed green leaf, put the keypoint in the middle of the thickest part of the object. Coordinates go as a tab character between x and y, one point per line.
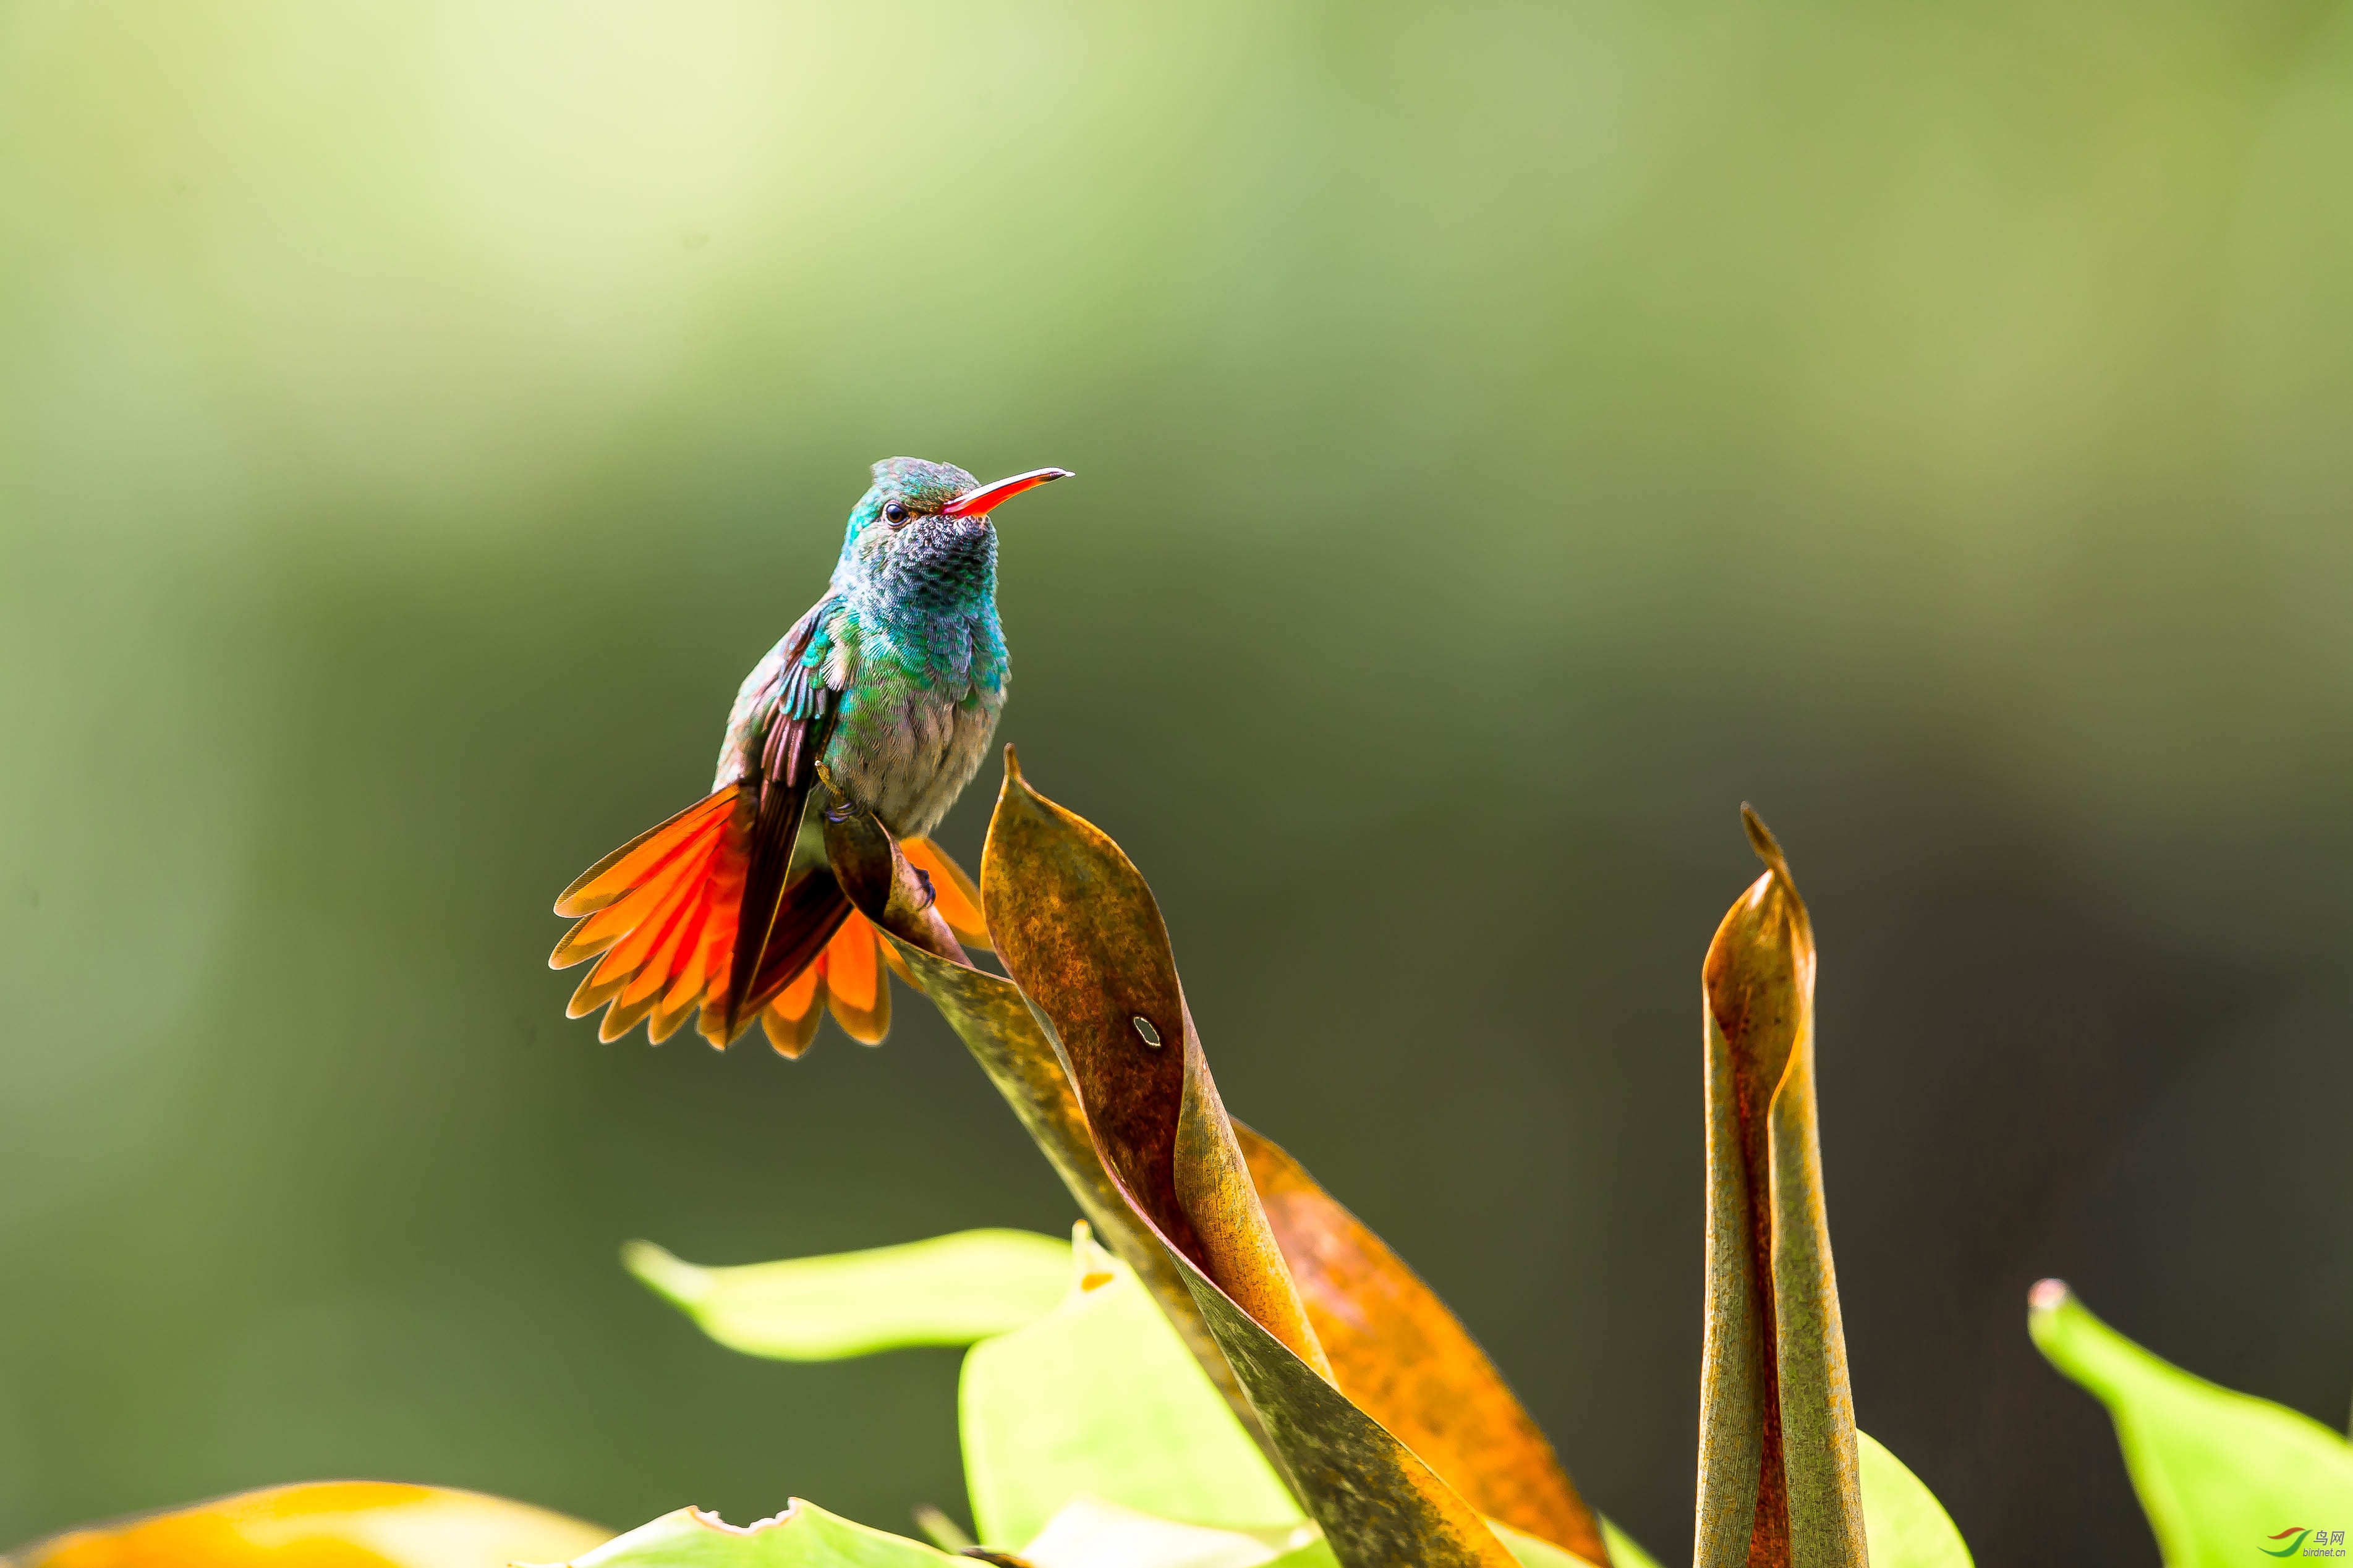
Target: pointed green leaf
1908	1526
803	1536
1316	1553
939	1529
1101	1396
2222	1475
1623	1552
949	1290
1533	1551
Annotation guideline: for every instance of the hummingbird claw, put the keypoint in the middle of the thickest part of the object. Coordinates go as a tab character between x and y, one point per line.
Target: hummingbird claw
924	879
835	801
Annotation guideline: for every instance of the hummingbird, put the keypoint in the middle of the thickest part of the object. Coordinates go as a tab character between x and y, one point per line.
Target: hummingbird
888	690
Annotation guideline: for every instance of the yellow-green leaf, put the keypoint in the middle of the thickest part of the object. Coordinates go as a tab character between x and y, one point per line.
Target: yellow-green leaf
1093	1532
1532	1552
1316	1553
1908	1526
948	1290
1624	1551
803	1536
1100	1397
2222	1477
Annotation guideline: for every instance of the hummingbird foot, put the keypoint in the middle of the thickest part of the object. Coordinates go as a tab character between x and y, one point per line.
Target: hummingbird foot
931	894
834	802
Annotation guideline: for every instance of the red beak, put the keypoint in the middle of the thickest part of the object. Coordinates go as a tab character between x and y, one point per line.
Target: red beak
979	502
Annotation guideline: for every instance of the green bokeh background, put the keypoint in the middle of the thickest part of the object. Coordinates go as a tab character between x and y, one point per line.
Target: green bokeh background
1508	438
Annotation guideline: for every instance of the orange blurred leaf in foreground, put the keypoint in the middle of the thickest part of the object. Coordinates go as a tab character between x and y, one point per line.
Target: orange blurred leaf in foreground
326	1524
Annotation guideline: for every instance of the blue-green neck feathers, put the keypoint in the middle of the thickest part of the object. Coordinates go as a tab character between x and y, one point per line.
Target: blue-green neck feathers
923	583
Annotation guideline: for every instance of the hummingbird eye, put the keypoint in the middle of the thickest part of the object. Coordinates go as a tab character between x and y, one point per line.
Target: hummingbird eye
895	513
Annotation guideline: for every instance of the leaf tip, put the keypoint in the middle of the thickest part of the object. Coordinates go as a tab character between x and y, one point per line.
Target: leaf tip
940	1528
1765	937
1761	839
2052	1311
1015	792
665	1273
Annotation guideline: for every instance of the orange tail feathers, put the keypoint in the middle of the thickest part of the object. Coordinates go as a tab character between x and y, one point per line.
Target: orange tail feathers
662	911
847	979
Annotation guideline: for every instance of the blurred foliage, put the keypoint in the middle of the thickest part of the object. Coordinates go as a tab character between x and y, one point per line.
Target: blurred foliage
949	1290
803	1536
1089	1434
1505	434
1091	1531
324	1524
1101	1396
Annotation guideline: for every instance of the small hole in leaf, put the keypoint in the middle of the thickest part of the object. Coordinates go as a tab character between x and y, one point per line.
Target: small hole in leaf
1143	1027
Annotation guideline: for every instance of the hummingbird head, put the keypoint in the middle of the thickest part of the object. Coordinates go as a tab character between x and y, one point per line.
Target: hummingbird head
923	537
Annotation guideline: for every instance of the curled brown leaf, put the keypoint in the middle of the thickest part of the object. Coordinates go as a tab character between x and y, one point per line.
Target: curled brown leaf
1777	1479
1079	930
989	1016
1403	1357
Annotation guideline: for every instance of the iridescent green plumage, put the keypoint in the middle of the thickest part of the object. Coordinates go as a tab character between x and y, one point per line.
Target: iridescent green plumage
889	687
904	660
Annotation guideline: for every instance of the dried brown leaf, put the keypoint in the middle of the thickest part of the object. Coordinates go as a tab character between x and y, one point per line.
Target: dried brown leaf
1403	1357
988	1015
1079	931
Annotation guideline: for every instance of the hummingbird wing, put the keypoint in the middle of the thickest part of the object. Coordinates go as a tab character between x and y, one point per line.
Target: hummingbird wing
783	921
667	911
